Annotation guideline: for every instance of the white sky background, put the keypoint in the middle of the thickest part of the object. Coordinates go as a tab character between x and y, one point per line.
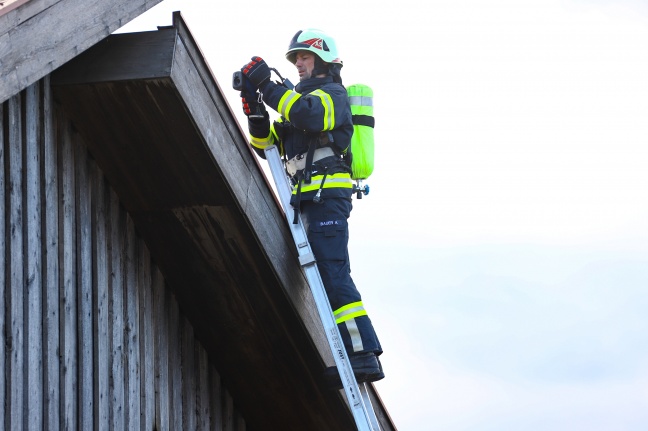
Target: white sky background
502	250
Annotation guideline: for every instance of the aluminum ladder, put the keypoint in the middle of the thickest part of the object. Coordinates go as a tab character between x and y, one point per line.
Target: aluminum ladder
356	394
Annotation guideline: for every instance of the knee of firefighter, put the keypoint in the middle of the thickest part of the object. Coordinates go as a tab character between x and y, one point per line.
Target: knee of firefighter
338	283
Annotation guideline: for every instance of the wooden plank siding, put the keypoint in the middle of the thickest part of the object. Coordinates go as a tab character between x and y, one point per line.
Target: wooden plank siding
14	258
33	255
92	338
51	334
3	268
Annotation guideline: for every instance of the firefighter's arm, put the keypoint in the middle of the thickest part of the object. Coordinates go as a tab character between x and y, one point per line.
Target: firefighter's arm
313	112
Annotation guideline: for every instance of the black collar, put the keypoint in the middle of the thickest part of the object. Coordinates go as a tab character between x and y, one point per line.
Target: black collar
311	84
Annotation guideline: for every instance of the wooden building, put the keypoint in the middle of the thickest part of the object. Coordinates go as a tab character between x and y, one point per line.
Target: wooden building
149	280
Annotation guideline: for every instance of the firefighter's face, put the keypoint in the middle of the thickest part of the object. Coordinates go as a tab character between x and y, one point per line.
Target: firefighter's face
305	63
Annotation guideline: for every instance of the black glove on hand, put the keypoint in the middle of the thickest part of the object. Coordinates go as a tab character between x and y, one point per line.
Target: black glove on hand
252	106
257	71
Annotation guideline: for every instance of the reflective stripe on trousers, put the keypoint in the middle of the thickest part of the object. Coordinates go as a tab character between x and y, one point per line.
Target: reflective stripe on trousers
347	315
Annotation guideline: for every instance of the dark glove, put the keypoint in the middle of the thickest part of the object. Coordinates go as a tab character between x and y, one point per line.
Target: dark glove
257	71
252	106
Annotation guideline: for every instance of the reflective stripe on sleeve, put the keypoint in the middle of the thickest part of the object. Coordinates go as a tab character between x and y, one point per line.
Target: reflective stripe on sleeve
261	143
286	102
329	111
349	311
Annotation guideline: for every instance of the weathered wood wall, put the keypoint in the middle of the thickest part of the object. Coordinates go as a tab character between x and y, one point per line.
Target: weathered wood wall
91	336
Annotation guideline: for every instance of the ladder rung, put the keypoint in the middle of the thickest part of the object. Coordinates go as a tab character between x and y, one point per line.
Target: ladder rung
306	259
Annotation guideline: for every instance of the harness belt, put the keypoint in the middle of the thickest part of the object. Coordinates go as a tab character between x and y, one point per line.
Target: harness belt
298	162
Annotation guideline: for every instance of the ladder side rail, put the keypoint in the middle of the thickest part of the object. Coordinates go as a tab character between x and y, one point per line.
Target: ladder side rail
363	417
364	392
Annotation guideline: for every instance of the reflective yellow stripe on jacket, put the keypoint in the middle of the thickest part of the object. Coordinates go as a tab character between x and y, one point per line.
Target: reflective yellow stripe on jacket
329	111
290	97
286	102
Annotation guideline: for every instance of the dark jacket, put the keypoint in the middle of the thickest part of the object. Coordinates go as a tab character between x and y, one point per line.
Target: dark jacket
316	113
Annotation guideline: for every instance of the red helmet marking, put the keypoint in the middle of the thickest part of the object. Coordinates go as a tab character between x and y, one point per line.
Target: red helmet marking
315	43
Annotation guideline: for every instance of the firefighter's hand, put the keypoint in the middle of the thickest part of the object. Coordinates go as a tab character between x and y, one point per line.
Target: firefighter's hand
257	71
251	105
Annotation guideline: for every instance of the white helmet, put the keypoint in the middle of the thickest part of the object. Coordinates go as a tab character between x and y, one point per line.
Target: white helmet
315	41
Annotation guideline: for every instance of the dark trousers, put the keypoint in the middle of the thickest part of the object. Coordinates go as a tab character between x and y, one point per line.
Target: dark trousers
328	233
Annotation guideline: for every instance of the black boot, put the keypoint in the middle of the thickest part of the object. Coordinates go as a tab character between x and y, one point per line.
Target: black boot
366	368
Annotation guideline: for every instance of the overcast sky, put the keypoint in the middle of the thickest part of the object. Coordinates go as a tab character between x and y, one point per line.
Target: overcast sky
502	251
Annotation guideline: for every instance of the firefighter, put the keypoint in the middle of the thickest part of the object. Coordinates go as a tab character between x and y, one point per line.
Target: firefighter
313	134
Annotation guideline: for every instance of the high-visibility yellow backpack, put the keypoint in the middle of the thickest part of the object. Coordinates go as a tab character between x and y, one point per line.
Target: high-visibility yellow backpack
362	141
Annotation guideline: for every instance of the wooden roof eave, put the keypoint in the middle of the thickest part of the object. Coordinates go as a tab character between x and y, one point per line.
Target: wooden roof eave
38	36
